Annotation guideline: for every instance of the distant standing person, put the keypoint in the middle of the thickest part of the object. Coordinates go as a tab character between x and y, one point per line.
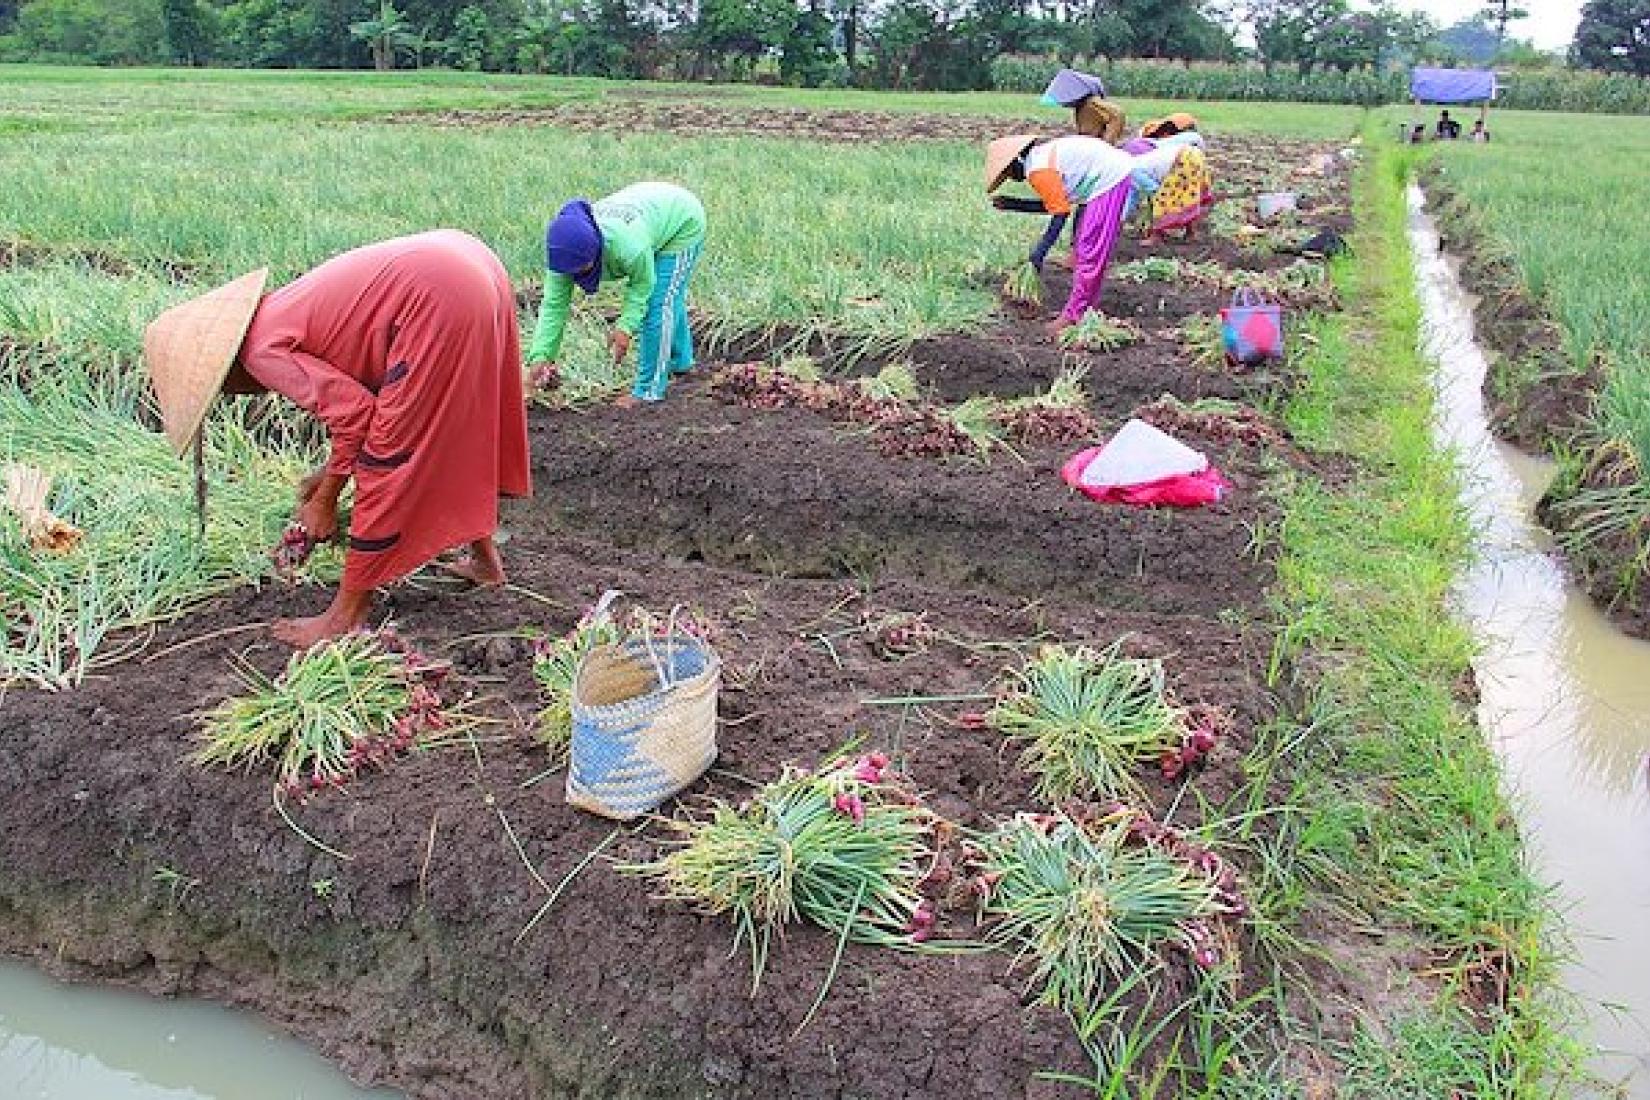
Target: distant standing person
1479	133
1065	172
408	352
1448	129
648	234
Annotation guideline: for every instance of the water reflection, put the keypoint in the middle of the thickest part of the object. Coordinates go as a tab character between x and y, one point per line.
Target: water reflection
60	1042
1564	696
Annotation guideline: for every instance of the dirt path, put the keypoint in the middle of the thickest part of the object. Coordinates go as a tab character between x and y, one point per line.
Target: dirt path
688	112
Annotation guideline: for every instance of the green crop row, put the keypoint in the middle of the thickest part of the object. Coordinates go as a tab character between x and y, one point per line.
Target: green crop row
1580	251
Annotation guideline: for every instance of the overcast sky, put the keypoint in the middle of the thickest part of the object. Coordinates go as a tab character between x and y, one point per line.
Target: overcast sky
1552	23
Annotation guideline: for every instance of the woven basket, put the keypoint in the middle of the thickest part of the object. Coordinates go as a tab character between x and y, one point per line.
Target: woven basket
635	742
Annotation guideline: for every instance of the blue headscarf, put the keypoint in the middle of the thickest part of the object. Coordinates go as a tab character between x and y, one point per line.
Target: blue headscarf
573	245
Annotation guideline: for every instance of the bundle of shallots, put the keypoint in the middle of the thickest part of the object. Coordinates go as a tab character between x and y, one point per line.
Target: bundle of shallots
28	488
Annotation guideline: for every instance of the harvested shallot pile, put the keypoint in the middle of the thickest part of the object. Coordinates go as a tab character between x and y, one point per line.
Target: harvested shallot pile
1088	719
847	847
1097	332
339	707
1060	414
1023	290
905	426
1089	907
893	635
1226	421
901	425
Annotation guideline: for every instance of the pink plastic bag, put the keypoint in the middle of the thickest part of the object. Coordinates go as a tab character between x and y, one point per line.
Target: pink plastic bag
1178	491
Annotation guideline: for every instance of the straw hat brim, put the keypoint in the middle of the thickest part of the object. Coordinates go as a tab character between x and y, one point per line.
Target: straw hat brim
1001	154
1180	120
190	348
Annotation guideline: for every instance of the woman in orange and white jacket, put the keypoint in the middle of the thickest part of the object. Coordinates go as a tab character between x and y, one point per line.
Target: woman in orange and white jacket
1065	173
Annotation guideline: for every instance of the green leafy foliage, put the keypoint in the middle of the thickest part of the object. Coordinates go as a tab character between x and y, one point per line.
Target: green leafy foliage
1560	245
1024	285
1086	908
842	848
1088	718
1097	332
555	667
142	557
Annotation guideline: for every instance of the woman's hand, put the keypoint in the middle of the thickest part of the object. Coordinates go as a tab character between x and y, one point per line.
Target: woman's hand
618	342
544	375
318	504
319	516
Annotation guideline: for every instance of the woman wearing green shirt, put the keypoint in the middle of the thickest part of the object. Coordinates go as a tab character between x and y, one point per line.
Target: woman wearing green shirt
648	234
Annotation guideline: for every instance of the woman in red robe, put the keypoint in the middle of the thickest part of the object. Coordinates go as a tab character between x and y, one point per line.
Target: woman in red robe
408	352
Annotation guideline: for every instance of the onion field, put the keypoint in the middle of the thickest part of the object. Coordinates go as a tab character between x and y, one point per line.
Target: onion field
1577	246
1017	793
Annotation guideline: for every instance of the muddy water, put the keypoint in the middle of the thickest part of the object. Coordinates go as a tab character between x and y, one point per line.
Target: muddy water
60	1042
1566	697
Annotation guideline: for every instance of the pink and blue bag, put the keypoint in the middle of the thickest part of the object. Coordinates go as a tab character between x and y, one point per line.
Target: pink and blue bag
1251	328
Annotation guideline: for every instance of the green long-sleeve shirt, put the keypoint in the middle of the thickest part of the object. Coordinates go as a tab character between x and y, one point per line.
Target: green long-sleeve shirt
638	223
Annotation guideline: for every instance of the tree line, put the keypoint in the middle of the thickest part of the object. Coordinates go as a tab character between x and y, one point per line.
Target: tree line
936	44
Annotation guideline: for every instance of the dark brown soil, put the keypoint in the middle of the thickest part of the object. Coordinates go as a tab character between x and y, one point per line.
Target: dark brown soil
402	962
1019	359
793	493
1014	355
626	113
408	971
1016	358
1257	160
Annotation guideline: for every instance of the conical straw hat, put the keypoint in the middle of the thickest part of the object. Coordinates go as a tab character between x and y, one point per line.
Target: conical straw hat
1002	153
190	348
1140	453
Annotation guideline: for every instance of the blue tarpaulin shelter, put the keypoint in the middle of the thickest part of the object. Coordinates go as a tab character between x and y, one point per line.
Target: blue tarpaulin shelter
1452	85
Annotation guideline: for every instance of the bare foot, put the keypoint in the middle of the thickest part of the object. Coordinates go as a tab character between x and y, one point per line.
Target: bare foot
628	401
303	633
348	611
468	568
480	565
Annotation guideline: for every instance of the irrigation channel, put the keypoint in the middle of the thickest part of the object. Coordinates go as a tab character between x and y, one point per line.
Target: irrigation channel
1565	697
60	1042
